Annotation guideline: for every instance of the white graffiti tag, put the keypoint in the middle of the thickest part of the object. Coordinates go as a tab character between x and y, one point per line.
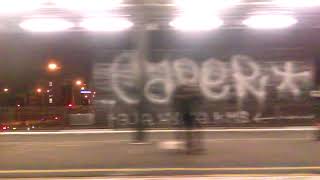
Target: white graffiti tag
159	88
213	77
187	71
216	81
248	79
290	78
124	78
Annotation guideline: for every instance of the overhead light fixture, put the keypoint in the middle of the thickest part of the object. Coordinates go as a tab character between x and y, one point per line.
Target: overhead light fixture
87	5
46	24
19	6
270	21
107	24
204	5
194	23
297	3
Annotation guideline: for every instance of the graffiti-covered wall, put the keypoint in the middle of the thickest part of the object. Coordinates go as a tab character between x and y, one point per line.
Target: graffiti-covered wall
238	90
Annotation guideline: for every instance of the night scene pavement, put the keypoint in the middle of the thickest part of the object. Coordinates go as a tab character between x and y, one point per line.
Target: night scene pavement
103	153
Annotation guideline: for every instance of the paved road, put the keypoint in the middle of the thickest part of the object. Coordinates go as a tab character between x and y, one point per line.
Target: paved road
104	154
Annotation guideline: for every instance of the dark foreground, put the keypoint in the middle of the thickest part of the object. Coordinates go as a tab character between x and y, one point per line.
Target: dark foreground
112	154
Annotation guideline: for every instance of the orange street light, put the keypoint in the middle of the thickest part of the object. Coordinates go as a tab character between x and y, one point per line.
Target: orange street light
78	82
52	66
39	90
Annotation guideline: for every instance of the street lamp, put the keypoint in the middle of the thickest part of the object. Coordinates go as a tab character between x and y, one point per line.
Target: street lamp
196	23
52	66
46	25
78	82
39	90
270	21
5	90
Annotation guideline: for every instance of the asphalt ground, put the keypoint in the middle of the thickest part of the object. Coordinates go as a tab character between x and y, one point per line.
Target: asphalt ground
112	154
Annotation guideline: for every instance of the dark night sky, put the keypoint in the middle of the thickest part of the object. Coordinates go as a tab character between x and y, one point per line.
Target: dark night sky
23	56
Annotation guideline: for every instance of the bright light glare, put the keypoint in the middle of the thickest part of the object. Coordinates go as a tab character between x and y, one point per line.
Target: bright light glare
52	66
270	21
46	25
106	24
19	6
88	5
78	82
297	3
194	23
200	6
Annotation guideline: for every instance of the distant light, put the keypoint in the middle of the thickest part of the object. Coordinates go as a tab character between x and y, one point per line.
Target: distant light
196	23
14	128
88	5
46	25
200	6
5	90
85	92
56	118
18	105
52	66
4	127
50	100
19	6
297	3
107	24
83	88
86	96
78	82
270	21
48	91
69	105
39	90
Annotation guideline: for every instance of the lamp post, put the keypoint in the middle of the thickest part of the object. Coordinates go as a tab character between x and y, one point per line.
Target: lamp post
52	68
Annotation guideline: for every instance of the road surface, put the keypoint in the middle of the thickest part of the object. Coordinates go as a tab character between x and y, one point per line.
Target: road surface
81	153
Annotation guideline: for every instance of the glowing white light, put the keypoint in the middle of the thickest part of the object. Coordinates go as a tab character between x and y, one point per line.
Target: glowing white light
194	23
52	66
78	82
199	6
106	24
88	5
297	3
270	21
46	25
19	6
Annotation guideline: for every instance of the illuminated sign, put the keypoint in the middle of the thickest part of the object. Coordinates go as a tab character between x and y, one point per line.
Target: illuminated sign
85	92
